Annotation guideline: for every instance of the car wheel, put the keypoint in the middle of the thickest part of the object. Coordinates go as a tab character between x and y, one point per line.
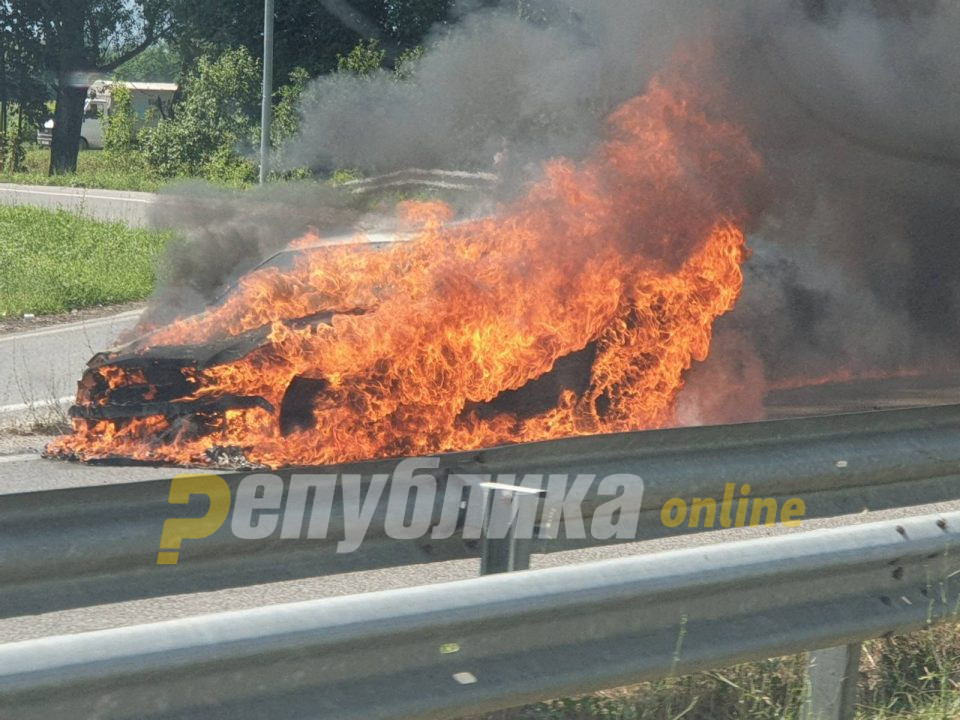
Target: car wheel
84	145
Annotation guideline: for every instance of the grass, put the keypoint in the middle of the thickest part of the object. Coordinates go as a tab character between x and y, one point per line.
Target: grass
55	261
95	169
910	677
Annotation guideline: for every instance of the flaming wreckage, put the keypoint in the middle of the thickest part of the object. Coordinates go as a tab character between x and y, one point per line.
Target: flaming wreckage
575	309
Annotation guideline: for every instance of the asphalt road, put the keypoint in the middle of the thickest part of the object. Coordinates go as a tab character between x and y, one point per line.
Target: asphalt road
121	205
175	606
39	368
51	358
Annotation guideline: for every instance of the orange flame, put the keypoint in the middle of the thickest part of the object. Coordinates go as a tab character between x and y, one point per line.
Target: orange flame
626	258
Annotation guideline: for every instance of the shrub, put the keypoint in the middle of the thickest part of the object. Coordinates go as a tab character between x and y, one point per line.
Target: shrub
406	63
178	147
228	168
120	124
344	175
286	114
363	60
13	153
213	127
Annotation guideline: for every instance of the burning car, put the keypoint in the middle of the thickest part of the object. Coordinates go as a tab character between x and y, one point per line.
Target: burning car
575	309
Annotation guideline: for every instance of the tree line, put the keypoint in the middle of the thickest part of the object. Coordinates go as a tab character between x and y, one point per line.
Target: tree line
54	49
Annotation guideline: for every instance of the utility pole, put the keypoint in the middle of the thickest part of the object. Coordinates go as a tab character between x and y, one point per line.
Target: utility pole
266	108
3	81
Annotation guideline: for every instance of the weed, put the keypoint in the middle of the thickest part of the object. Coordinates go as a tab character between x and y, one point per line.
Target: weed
909	677
55	261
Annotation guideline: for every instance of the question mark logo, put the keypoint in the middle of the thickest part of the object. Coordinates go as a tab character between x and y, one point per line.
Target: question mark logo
175	530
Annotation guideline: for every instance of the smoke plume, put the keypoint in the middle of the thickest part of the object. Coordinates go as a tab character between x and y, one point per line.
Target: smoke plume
854	106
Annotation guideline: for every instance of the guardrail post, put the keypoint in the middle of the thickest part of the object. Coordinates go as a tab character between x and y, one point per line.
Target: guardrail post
830	683
509	553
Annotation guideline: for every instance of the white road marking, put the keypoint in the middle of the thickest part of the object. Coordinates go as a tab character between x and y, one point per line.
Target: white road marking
18	458
69	327
37	404
79	195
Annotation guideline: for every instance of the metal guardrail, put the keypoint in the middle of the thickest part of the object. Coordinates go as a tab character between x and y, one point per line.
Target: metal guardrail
86	546
477	645
417	177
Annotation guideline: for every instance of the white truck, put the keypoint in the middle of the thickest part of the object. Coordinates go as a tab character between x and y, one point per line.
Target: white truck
145	95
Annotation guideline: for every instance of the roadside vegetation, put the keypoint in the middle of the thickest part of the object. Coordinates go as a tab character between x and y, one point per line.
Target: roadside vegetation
95	169
212	132
909	677
58	261
209	136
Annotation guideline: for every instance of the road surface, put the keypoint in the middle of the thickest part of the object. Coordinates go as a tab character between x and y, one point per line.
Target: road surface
39	368
118	205
53	358
175	606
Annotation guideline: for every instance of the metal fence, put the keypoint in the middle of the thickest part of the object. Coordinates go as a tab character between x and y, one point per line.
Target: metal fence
415	178
86	546
447	650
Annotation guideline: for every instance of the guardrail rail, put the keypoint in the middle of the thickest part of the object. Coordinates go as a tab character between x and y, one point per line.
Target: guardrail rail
448	650
508	638
85	546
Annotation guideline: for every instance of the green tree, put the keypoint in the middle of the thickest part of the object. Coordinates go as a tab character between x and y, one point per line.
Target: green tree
367	57
310	34
120	124
12	141
286	113
23	91
214	125
406	63
363	59
160	63
406	22
79	40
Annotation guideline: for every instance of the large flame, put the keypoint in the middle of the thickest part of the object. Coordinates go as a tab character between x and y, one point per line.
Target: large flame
626	258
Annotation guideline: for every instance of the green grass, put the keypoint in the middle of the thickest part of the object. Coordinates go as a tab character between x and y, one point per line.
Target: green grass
95	169
910	677
58	261
98	169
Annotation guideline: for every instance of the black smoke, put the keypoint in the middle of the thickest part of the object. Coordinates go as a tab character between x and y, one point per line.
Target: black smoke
854	106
